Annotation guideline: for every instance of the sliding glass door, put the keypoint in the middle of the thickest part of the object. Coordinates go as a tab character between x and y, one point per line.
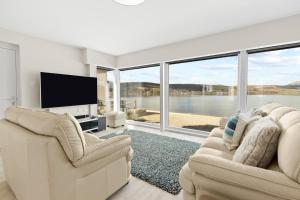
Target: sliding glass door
140	94
201	92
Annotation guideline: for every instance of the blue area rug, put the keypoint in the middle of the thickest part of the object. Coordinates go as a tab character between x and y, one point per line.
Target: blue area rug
158	159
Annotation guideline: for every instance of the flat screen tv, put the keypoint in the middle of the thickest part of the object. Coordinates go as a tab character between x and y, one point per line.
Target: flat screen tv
58	90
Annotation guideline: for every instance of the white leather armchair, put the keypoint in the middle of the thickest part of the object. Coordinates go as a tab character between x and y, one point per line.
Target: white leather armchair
46	156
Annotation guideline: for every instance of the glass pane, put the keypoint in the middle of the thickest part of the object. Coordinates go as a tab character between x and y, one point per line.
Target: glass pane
140	94
201	92
274	76
105	91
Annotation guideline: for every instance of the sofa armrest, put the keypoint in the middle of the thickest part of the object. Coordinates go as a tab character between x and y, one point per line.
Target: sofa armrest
223	122
105	148
236	174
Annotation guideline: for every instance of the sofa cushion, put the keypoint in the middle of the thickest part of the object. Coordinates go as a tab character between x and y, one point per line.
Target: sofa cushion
215	143
279	112
65	128
274	184
260	145
289	145
223	121
216	132
268	108
214	152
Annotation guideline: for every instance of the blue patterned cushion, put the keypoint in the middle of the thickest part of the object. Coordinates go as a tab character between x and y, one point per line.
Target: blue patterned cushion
230	128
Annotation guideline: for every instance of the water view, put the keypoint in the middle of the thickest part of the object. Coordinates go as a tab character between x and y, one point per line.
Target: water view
203	91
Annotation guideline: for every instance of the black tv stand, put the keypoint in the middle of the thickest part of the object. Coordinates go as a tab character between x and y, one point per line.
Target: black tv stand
92	124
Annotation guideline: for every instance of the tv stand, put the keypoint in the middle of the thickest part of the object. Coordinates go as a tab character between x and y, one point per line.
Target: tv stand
91	124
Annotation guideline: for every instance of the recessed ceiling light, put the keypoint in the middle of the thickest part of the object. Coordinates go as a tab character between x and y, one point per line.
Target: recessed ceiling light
129	2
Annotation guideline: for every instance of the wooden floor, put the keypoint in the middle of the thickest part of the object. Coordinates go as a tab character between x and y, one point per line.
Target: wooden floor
136	189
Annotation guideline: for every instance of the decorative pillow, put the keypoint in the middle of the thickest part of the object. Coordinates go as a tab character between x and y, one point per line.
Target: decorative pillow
244	119
260	145
230	128
243	122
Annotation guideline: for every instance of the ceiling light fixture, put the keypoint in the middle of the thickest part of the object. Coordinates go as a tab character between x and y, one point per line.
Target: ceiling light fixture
129	2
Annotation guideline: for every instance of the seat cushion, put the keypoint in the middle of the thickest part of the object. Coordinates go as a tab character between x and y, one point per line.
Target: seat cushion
215	143
64	127
215	152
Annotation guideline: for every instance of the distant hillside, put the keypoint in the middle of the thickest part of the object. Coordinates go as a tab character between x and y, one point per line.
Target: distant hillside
133	89
295	83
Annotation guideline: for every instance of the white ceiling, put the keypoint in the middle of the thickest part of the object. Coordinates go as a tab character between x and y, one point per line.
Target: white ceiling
109	27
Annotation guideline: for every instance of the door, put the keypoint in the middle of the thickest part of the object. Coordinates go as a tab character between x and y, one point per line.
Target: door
8	77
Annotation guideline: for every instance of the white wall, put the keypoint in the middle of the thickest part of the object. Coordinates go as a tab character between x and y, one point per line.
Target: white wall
36	55
97	58
276	32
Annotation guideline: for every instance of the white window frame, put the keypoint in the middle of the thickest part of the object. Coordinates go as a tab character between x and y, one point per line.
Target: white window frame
137	123
242	87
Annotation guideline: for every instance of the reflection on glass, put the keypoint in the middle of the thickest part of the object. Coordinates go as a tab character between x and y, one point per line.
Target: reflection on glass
105	91
140	94
274	76
201	92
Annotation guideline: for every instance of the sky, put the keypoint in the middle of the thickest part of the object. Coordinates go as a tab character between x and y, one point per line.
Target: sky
268	68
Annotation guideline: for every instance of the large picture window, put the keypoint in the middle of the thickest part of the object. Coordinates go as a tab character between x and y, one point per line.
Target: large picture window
140	94
274	76
201	92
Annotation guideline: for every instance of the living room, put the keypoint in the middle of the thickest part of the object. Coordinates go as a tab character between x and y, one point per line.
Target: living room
139	99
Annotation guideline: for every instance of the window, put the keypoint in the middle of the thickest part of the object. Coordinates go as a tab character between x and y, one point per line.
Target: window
140	94
105	87
201	92
274	76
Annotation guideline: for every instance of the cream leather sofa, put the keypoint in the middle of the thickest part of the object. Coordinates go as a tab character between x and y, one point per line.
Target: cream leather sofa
211	174
47	157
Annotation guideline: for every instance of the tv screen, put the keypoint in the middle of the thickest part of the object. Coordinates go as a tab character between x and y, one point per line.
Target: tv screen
58	90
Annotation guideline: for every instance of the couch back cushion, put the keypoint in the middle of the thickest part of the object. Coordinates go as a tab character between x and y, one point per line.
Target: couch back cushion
289	142
62	126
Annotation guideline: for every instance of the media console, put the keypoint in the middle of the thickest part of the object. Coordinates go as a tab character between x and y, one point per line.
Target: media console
92	124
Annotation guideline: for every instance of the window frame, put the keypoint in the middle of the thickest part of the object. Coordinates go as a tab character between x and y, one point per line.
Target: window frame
242	84
263	50
200	133
132	122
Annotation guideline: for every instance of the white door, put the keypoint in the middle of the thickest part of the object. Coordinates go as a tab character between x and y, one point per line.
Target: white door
8	77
